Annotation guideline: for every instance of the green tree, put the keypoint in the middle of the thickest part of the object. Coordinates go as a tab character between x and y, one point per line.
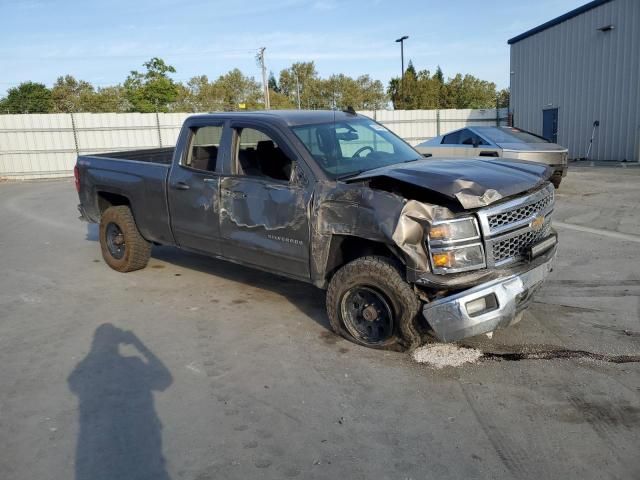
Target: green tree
234	89
423	90
273	83
226	93
439	76
302	77
469	92
280	101
28	97
404	91
427	91
362	93
152	90
71	95
503	98
108	99
373	96
198	95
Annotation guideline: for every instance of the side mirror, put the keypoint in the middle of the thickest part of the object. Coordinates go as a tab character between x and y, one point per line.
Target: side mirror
476	142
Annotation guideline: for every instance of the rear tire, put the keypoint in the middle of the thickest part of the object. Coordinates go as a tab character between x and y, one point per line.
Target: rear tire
123	248
556	179
370	303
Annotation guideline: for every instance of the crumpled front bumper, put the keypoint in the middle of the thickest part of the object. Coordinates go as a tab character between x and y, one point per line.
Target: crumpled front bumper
450	321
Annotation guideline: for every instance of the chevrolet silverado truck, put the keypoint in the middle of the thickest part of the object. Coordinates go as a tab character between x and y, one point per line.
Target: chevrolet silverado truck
407	248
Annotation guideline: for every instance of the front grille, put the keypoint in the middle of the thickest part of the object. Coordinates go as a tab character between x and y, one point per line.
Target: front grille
518	214
514	248
508	227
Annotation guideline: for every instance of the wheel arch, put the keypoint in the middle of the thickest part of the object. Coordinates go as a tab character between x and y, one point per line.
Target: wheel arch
346	248
106	199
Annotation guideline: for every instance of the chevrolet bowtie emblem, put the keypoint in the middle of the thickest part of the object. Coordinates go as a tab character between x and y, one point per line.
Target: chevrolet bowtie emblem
537	223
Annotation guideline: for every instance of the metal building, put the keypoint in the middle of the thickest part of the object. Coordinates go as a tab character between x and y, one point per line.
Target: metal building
578	75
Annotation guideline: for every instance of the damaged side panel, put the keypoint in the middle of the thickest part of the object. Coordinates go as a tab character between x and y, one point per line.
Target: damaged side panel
265	223
375	215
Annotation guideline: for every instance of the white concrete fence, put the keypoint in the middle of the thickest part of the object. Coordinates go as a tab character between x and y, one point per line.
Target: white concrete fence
46	145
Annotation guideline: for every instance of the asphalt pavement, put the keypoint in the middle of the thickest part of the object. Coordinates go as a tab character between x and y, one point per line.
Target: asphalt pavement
194	368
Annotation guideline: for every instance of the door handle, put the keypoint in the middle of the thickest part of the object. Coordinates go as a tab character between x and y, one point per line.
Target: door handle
181	186
230	193
486	153
210	180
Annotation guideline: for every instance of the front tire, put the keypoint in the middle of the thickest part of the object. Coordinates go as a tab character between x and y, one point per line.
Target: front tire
123	248
370	303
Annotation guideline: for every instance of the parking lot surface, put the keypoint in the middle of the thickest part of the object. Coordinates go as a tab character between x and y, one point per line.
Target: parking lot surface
195	368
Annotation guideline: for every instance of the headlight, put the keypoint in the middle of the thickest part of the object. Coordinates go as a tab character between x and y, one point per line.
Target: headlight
457	259
453	230
454	246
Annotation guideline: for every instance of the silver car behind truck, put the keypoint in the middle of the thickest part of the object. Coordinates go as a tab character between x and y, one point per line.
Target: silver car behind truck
504	142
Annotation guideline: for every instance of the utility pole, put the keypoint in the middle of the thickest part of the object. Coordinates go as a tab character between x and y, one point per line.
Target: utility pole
401	42
265	85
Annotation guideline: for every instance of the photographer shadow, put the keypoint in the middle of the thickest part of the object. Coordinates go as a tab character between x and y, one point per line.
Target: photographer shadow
120	434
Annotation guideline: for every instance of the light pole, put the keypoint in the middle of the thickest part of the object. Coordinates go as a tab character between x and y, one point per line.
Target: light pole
401	42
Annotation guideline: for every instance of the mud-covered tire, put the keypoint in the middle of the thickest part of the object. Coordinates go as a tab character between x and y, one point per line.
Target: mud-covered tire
136	250
382	275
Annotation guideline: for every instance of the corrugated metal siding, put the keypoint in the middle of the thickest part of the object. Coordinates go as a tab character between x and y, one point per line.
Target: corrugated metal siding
588	75
45	146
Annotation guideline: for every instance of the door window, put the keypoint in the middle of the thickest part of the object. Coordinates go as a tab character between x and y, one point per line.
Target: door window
258	155
467	137
203	152
452	138
463	137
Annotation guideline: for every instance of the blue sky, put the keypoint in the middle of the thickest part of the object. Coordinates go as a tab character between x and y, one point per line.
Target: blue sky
102	40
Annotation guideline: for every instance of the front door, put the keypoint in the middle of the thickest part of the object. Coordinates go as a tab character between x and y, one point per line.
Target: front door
550	124
264	201
193	190
466	143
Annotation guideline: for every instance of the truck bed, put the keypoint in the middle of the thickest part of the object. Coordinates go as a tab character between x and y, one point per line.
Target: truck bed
135	177
152	155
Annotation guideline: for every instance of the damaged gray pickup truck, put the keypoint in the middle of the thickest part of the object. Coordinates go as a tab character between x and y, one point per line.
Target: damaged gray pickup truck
406	247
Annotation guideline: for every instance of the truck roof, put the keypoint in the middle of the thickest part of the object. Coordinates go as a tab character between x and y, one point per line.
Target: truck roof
289	117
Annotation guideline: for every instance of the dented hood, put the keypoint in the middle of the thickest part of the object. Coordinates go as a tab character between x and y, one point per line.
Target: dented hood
473	183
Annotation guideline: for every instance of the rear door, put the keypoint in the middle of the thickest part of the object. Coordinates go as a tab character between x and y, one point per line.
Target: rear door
264	202
194	188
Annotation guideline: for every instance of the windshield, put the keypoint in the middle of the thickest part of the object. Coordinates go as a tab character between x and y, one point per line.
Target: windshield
510	135
349	147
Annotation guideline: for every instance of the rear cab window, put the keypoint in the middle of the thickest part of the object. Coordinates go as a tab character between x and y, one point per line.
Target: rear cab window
203	148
